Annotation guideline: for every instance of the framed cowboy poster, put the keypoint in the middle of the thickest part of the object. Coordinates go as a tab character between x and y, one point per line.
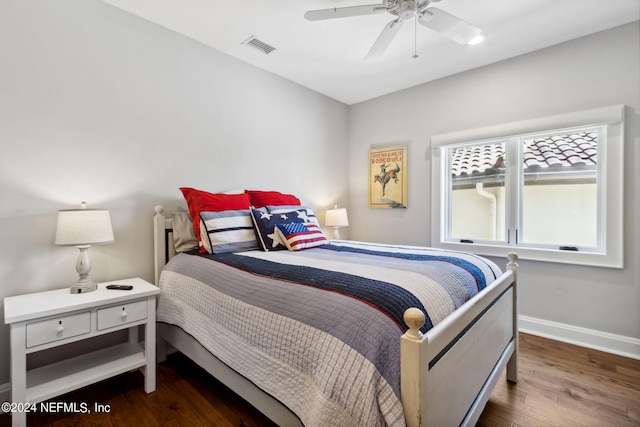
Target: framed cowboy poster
388	177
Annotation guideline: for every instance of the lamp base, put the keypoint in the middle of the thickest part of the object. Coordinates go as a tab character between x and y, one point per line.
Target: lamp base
83	288
83	267
336	233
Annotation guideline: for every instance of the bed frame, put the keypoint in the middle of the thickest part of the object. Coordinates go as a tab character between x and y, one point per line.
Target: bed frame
447	374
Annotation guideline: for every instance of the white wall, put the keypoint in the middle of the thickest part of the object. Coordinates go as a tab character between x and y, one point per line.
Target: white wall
595	71
98	105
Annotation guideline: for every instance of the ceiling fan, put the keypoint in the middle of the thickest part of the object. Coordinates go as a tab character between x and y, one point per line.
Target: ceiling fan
403	10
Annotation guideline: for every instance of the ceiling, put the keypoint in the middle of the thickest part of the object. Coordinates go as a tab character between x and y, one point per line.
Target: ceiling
328	56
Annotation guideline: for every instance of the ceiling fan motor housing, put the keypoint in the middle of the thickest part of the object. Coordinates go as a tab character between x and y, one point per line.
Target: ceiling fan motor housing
407	9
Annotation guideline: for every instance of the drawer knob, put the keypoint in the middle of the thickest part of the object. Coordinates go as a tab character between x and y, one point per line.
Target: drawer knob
123	314
60	328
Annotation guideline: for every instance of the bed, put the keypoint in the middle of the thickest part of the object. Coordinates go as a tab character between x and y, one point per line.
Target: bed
340	360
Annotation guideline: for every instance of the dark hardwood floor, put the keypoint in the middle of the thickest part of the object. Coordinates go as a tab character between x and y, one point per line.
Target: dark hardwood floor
560	385
566	385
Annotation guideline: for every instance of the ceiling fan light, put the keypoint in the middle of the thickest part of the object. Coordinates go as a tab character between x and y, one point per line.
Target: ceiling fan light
479	38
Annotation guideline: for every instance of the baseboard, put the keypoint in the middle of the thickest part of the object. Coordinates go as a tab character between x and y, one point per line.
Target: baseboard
589	338
5	394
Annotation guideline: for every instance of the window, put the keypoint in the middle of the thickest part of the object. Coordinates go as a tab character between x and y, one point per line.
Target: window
549	189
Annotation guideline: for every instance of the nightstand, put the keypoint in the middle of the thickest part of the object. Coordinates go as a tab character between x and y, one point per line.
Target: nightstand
45	320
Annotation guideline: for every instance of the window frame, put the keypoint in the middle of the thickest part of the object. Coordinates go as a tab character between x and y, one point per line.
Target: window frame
610	186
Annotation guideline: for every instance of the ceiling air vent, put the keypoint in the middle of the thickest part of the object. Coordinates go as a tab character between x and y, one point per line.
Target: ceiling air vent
259	44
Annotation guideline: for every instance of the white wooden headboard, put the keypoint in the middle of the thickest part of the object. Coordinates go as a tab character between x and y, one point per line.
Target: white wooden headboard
163	248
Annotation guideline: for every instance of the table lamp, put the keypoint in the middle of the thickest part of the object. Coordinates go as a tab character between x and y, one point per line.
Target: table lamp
336	218
83	228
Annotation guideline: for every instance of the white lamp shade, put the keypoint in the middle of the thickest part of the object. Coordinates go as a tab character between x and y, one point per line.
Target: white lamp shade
78	227
336	218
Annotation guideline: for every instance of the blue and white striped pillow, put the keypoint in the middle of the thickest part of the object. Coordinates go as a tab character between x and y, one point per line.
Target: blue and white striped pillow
227	231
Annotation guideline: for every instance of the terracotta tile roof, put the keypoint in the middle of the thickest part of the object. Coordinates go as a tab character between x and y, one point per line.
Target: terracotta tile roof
579	149
476	159
556	152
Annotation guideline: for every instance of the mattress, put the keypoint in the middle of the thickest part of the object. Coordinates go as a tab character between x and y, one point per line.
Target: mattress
319	329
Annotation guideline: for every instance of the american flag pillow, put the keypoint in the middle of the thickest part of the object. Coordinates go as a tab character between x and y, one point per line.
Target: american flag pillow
266	225
302	212
301	235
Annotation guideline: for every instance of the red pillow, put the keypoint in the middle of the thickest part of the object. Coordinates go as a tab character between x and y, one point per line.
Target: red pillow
202	201
261	199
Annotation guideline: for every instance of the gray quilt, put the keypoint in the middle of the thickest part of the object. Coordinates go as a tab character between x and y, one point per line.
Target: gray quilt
319	329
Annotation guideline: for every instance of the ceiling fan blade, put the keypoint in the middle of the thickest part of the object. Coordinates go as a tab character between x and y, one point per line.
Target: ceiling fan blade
384	39
450	26
344	12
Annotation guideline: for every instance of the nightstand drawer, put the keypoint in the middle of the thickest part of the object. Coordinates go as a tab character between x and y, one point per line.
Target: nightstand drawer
57	329
121	314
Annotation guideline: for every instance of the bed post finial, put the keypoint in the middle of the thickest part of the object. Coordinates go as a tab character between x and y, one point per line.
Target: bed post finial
159	209
414	318
513	259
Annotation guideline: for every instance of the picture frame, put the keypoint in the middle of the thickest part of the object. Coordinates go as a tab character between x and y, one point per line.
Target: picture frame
388	177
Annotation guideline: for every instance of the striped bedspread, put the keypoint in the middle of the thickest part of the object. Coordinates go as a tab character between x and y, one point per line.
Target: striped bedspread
319	329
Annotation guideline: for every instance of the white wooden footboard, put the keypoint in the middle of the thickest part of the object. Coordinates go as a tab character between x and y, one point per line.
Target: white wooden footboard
447	374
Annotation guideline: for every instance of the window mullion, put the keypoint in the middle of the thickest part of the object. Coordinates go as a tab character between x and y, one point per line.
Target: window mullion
512	189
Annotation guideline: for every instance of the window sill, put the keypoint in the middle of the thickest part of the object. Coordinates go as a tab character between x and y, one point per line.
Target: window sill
593	259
